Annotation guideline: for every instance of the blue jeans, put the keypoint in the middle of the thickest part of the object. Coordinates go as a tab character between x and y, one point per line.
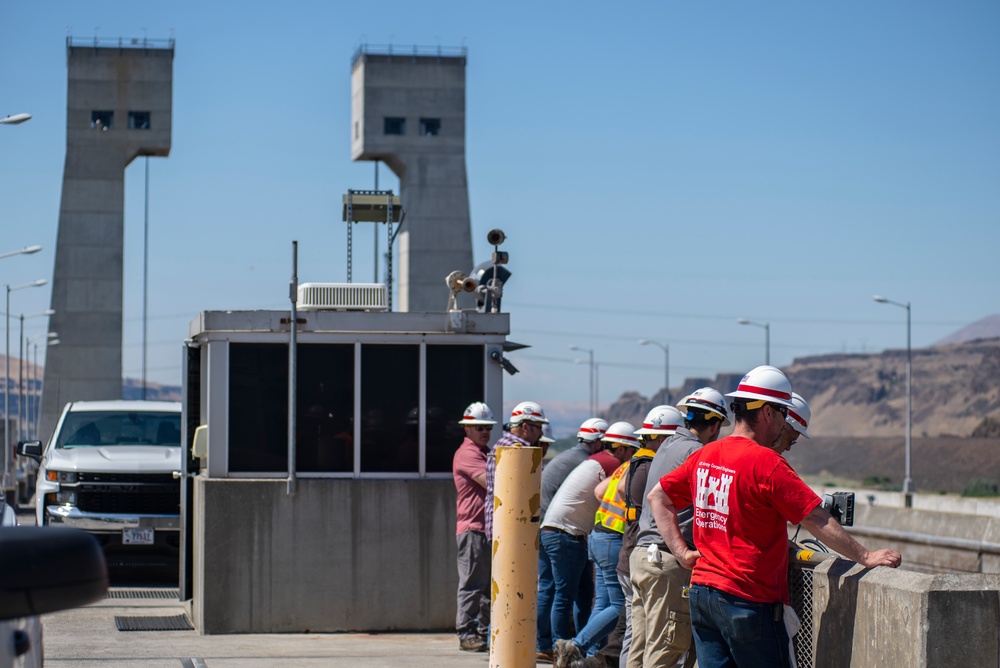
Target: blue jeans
730	631
609	599
561	562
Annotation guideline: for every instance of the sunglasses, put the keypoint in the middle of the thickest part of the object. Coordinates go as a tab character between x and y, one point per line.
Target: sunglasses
481	427
781	409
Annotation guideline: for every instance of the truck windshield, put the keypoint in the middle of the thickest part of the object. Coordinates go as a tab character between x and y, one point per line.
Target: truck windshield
98	428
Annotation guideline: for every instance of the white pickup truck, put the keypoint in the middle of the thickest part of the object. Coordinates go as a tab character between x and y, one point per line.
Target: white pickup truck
112	469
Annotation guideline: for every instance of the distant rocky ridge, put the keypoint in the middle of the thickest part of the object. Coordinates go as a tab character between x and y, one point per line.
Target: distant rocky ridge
955	392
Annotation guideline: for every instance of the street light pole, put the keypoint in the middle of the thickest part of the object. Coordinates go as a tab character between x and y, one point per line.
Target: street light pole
666	363
6	386
589	352
767	336
21	409
907	480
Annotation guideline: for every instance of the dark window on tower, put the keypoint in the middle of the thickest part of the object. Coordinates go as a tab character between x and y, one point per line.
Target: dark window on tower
138	120
102	120
395	125
430	126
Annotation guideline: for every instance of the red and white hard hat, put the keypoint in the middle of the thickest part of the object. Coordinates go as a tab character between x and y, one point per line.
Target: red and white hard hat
546	434
592	429
477	413
707	399
661	420
764	384
799	414
527	410
623	433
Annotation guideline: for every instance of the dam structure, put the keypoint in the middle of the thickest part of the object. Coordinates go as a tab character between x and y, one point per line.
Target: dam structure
118	108
408	111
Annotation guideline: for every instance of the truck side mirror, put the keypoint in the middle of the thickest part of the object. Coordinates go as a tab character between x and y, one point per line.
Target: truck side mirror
32	449
46	569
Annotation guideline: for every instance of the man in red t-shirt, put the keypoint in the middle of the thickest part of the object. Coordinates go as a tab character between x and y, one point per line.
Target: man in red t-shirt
744	495
472	620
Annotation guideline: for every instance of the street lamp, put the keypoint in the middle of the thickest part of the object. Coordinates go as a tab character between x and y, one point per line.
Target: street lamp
52	339
907	481
666	363
27	250
590	352
6	386
21	431
15	119
767	336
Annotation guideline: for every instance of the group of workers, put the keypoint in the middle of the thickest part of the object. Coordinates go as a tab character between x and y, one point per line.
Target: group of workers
659	546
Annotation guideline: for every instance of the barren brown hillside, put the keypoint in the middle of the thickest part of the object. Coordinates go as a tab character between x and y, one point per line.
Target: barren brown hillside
955	388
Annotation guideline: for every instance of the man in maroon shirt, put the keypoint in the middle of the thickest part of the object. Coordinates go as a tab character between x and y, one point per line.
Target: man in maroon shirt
469	470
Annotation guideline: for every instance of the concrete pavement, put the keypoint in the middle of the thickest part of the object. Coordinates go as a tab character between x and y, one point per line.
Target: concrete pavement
88	637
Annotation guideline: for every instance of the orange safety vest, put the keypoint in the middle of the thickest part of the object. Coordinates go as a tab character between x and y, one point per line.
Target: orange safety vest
611	513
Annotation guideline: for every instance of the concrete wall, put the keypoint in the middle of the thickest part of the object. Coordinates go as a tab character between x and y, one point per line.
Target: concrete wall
87	275
341	555
886	617
435	238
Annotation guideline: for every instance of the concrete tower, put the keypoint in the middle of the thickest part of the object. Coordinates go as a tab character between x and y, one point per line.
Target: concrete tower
118	107
408	110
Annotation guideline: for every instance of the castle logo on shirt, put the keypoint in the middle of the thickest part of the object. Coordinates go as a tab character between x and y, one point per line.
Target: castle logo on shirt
711	500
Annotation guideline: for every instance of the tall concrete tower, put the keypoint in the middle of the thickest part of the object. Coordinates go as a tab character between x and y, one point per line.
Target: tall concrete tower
408	110
118	107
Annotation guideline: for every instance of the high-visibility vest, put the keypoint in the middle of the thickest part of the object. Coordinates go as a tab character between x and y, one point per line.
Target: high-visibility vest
633	507
611	513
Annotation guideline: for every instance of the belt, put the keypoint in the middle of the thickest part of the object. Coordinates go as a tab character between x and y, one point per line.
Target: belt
556	530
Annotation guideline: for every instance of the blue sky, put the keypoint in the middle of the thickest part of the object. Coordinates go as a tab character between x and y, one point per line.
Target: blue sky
661	169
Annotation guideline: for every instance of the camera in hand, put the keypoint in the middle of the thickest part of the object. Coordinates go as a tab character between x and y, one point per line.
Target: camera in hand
841	506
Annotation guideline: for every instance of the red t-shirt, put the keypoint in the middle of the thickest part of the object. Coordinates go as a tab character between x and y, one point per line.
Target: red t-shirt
469	461
743	495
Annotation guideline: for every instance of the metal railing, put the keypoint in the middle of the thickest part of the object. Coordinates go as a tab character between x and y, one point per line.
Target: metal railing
96	42
415	50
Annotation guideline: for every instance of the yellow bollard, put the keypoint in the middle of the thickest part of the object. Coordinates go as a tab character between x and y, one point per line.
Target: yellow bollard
514	588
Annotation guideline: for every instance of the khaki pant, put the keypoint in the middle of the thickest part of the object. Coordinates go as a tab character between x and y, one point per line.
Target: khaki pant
661	622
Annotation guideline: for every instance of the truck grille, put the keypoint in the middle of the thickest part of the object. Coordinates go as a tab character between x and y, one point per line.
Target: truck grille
130	498
151	478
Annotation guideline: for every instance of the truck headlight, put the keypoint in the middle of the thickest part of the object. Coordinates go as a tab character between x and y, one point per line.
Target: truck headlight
61	476
66	498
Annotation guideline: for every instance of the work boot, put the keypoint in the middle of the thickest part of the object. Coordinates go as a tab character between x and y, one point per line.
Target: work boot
566	653
473	644
547	656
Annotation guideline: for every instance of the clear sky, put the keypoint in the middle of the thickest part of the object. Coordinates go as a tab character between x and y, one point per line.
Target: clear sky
660	168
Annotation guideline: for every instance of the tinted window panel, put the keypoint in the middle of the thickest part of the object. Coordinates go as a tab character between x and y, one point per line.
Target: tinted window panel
454	380
258	405
390	381
325	408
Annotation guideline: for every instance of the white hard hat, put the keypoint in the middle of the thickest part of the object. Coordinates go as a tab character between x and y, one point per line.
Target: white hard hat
661	420
527	410
799	414
547	434
765	384
477	413
623	433
592	429
707	399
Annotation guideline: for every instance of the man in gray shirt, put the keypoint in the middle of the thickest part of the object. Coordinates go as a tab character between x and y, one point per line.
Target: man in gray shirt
661	623
553	475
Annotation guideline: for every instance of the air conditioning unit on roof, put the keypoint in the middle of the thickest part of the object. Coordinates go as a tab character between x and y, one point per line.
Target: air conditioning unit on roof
342	297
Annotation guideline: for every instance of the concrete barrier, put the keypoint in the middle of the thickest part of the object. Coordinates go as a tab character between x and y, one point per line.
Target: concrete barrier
889	617
340	555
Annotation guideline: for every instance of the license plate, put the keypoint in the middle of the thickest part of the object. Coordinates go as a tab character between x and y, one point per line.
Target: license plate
137	536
